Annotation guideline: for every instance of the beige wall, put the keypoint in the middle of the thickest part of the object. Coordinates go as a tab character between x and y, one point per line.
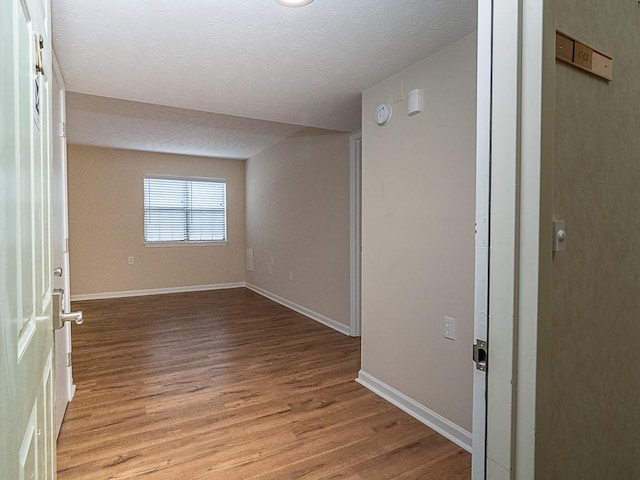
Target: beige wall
106	223
418	233
588	422
298	215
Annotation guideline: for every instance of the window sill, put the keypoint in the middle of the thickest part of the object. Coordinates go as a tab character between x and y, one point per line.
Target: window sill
184	244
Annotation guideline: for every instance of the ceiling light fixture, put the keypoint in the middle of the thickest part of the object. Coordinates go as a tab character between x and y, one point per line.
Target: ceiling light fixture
294	3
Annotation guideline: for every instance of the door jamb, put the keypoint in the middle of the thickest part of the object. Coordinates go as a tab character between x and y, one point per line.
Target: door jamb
483	176
65	332
522	147
355	235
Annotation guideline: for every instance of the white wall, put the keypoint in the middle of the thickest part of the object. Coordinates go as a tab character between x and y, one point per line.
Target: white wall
418	233
298	215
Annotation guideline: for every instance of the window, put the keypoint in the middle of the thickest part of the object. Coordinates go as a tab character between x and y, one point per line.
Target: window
180	210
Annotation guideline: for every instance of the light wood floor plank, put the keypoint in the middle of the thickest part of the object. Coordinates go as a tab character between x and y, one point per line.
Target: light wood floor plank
229	385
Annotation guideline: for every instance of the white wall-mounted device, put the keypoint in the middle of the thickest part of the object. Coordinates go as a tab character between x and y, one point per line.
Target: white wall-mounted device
414	101
383	114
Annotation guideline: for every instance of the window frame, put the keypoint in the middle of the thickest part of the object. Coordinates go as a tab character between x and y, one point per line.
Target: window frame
186	241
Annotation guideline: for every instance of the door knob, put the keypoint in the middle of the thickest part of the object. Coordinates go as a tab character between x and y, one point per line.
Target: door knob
59	317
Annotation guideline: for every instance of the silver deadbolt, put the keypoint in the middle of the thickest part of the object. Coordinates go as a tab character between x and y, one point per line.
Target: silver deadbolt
59	317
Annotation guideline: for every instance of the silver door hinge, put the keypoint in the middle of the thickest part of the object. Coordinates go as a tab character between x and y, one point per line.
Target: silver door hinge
481	355
69	359
63	129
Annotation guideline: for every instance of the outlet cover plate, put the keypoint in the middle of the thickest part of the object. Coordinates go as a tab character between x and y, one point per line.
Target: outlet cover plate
450	328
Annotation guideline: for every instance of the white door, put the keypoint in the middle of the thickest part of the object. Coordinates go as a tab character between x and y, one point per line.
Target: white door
481	291
59	245
27	436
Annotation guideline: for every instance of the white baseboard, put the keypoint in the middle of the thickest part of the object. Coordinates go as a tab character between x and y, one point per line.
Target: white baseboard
329	322
198	288
155	291
437	422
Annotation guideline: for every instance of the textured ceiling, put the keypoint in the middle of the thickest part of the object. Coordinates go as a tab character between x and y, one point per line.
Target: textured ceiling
245	58
106	122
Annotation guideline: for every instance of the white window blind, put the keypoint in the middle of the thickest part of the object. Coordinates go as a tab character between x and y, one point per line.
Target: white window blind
184	210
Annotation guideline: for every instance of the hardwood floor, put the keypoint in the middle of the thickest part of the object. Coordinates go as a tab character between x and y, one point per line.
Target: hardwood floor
229	385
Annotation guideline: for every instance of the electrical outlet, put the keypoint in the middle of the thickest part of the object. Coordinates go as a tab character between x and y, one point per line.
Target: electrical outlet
269	269
290	276
450	328
131	260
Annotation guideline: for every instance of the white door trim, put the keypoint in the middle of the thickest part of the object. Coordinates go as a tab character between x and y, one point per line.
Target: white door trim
56	125
521	136
65	389
505	165
355	236
483	175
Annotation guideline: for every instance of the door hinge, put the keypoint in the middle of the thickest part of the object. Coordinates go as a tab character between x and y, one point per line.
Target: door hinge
69	359
482	231
39	47
63	129
481	355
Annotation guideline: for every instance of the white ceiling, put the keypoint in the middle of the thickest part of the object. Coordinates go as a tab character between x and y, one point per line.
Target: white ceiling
106	122
244	60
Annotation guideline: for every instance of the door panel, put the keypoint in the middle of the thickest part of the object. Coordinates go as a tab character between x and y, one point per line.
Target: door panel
28	467
23	61
27	449
46	444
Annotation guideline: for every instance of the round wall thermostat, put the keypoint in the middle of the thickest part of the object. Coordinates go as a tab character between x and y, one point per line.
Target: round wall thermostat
383	114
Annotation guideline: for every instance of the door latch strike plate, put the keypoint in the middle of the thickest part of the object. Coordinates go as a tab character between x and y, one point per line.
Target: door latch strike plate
481	355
